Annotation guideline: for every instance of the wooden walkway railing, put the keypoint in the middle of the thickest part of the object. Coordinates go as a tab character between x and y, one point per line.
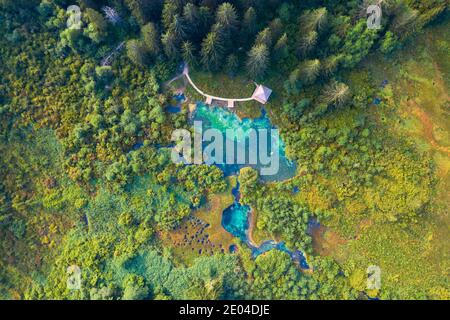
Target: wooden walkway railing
209	98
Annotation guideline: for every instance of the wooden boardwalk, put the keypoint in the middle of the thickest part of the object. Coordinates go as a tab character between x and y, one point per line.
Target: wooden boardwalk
209	98
261	93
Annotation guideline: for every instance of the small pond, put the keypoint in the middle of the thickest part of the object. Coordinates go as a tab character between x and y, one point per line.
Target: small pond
235	220
222	119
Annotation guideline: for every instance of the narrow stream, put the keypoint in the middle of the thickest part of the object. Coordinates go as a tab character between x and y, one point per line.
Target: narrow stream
235	220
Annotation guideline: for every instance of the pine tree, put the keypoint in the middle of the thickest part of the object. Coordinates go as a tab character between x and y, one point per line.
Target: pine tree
336	93
232	65
170	44
281	48
191	16
314	20
169	11
309	71
144	10
331	64
258	60
308	42
264	37
178	27
205	21
276	28
226	15
136	52
212	51
249	24
191	13
151	38
187	52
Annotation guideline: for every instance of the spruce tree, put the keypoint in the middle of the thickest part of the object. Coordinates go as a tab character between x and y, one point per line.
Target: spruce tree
136	52
281	48
232	65
151	38
258	60
170	44
336	93
226	17
265	37
249	24
187	52
212	51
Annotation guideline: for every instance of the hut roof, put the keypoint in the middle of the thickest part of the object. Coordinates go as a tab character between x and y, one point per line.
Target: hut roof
262	94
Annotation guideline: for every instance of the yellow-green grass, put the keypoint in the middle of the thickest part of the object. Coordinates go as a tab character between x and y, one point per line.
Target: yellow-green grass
414	260
420	86
211	219
222	85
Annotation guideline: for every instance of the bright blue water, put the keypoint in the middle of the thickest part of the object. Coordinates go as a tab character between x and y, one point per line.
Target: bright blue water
296	255
173	109
235	219
222	119
312	225
176	108
137	146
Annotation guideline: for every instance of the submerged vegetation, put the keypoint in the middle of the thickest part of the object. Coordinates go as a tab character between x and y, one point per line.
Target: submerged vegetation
86	177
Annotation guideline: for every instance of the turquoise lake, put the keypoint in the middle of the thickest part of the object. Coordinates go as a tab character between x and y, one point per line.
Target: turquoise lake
235	219
223	119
